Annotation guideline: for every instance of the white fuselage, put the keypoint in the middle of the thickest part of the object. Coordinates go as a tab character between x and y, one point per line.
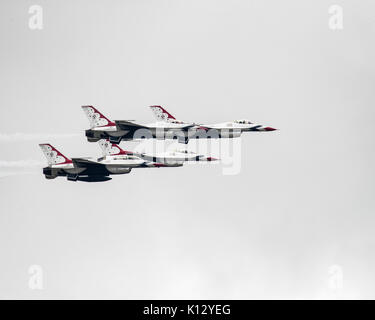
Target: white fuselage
68	168
121	161
233	125
166	125
173	156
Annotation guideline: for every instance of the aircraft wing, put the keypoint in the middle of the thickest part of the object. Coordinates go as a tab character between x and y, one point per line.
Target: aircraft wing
198	127
86	163
188	126
90	167
127	125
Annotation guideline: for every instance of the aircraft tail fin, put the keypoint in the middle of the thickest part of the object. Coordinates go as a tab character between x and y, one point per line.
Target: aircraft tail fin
161	114
53	155
110	149
96	118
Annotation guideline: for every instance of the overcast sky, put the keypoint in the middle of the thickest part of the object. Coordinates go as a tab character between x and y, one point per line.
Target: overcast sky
302	202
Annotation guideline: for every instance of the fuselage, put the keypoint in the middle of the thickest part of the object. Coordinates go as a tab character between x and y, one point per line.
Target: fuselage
129	130
101	167
178	156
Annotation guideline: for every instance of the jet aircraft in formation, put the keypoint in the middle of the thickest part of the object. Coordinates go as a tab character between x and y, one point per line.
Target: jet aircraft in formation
176	156
166	127
116	161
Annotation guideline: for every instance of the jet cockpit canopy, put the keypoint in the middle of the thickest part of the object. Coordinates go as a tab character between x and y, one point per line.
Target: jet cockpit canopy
185	151
243	121
176	122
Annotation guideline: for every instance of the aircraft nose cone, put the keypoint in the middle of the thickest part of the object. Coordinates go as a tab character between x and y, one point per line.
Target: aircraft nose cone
269	129
212	159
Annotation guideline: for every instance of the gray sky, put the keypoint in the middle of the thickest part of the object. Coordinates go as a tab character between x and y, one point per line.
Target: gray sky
302	202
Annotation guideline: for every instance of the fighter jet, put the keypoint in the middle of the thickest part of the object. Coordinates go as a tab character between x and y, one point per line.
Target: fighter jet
166	127
115	131
168	157
93	170
231	129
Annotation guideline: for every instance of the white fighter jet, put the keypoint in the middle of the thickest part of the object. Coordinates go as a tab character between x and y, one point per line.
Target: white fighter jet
230	129
166	127
93	170
168	157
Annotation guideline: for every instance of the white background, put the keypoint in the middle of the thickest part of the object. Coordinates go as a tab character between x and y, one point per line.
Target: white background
302	202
